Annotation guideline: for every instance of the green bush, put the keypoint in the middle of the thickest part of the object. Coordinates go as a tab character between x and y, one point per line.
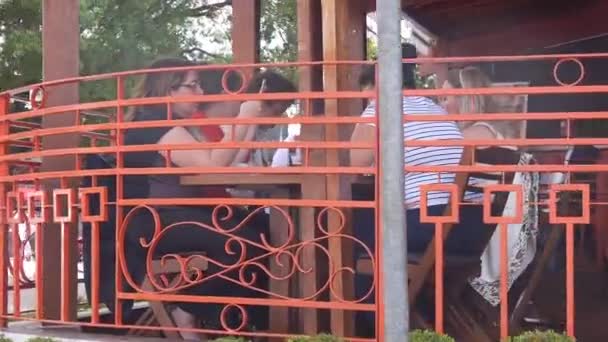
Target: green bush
5	339
541	336
230	339
428	336
415	336
318	338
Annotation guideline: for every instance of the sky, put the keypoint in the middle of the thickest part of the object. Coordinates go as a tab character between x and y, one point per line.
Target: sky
210	44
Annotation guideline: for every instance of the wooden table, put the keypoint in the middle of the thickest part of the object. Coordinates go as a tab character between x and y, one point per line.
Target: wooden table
310	187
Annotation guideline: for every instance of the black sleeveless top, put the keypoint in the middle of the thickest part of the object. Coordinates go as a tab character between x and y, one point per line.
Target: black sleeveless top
152	186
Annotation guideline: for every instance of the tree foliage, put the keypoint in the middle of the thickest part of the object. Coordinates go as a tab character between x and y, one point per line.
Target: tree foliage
115	36
20	43
278	30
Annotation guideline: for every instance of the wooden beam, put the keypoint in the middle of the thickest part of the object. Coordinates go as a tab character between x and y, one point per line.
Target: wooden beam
310	49
60	48
309	45
344	38
536	33
246	32
440	70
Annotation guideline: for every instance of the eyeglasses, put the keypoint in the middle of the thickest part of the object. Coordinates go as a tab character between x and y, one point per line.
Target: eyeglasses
194	86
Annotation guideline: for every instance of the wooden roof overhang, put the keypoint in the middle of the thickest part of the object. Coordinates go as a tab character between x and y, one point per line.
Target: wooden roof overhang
503	27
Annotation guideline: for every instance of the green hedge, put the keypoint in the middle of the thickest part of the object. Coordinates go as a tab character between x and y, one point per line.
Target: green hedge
230	339
415	336
541	336
32	339
318	338
428	336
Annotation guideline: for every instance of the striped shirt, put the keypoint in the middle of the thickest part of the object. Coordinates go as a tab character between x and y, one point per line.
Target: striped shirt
426	156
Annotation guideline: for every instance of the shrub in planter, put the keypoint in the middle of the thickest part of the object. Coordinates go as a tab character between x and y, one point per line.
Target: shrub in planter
318	338
5	339
42	339
541	336
230	339
428	336
415	336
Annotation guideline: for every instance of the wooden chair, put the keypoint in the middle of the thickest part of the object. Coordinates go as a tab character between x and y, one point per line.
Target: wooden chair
543	255
458	270
420	266
158	313
523	290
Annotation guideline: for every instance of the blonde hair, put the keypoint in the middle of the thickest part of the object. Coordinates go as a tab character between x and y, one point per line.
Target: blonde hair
473	77
159	84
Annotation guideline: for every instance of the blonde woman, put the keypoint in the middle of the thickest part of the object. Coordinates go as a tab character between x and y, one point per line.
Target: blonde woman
522	237
473	77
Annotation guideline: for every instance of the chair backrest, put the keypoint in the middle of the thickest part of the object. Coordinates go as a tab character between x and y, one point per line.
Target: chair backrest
488	156
550	178
533	276
494	156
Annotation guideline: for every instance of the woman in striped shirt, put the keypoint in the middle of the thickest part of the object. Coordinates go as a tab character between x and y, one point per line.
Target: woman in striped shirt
466	238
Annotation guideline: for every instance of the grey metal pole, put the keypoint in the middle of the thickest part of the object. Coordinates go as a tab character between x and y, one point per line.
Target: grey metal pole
394	246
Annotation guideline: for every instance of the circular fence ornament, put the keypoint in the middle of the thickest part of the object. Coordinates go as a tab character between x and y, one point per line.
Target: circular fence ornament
226	84
38	98
571	84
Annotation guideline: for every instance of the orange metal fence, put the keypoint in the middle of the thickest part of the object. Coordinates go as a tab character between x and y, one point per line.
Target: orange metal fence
308	253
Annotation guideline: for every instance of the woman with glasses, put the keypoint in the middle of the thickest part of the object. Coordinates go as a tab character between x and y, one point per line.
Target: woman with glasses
226	239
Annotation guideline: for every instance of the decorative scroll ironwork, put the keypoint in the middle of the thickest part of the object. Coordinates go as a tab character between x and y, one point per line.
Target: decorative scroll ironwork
246	270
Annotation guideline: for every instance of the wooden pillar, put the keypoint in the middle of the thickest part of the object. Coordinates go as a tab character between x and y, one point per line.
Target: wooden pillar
310	49
310	78
60	48
246	32
440	70
344	38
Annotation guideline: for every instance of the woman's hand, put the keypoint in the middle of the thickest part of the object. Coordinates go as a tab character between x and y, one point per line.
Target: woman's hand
251	109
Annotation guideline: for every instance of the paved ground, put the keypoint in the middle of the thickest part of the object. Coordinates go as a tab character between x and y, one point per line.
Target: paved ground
28	298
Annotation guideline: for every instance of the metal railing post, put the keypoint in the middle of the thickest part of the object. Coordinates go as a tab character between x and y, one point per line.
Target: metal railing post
394	297
4	255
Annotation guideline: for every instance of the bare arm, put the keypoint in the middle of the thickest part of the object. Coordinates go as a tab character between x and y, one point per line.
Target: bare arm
201	158
243	153
478	133
209	157
362	157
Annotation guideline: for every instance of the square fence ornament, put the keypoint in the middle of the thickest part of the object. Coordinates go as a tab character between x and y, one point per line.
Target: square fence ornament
489	190
454	202
555	189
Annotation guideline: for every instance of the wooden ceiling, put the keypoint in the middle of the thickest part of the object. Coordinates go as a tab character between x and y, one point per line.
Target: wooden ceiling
464	20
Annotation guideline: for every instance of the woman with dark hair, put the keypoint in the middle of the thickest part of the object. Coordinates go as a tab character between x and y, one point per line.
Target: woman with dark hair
271	82
226	239
267	81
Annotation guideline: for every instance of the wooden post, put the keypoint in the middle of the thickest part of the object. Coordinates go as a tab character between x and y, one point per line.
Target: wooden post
309	45
344	38
440	70
246	33
60	47
309	50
